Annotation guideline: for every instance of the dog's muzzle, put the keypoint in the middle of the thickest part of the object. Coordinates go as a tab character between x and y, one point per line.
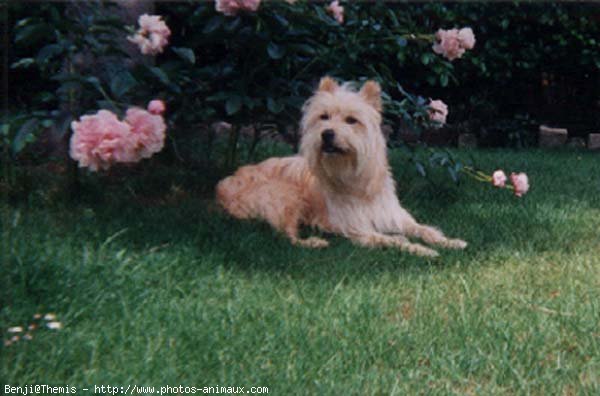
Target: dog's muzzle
327	142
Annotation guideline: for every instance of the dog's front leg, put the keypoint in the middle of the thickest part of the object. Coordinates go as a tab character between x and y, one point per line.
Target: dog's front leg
376	239
401	222
433	236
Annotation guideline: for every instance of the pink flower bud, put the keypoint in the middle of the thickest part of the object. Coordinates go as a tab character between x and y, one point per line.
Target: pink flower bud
337	11
156	107
499	178
438	111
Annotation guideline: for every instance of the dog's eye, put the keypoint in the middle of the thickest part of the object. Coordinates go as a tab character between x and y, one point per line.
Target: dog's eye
351	120
324	116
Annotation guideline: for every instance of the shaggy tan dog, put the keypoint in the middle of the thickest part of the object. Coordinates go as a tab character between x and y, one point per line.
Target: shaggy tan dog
340	182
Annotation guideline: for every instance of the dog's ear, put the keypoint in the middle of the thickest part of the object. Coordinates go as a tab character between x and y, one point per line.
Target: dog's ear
328	84
371	92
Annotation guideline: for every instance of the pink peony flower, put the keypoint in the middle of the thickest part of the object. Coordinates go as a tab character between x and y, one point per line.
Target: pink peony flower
438	111
157	107
152	36
499	178
148	132
100	140
453	43
466	38
520	183
337	11
232	7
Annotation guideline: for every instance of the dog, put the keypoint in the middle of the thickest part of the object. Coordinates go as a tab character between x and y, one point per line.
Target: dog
340	182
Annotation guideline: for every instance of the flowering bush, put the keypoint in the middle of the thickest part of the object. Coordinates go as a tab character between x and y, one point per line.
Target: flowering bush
249	61
233	60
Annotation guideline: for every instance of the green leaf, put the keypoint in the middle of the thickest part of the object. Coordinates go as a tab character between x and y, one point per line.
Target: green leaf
92	80
275	51
31	33
213	24
22	63
219	96
233	105
281	20
160	74
305	49
453	174
122	83
249	103
233	25
420	169
48	52
24	135
187	54
444	80
64	127
274	106
426	58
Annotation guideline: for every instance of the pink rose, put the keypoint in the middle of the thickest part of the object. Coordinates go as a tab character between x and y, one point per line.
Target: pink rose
438	111
152	36
232	7
100	140
156	106
453	43
148	132
499	178
520	182
337	11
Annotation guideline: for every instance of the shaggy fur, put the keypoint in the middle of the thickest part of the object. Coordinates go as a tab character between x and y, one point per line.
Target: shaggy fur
340	182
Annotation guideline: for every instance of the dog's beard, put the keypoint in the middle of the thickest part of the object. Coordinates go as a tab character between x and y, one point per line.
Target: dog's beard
332	148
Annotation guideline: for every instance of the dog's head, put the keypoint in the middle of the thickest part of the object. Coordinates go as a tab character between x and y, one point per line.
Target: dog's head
341	132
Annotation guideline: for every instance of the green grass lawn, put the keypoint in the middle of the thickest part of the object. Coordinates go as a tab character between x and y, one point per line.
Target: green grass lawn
173	292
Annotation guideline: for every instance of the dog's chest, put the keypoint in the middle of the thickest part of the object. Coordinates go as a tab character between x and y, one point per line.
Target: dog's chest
350	214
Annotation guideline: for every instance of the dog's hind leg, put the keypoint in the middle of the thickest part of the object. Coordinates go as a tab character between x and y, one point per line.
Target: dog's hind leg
248	195
285	213
289	224
376	239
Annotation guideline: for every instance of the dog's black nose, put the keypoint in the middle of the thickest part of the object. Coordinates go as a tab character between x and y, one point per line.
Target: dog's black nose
328	135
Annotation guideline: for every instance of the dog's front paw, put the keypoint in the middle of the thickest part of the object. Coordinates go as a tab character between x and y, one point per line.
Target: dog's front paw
313	242
457	244
421	250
